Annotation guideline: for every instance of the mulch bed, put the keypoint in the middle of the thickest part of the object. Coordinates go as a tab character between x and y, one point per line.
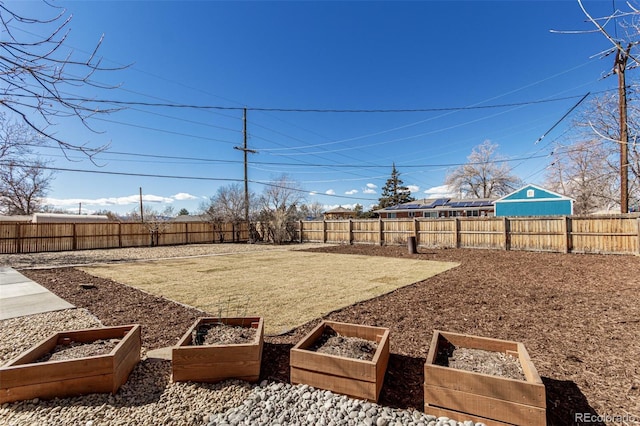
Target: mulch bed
577	315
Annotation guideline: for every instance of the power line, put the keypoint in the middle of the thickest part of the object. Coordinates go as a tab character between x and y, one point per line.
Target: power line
160	176
312	110
282	163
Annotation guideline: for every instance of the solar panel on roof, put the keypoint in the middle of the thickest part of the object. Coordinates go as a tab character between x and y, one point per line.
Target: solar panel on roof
439	202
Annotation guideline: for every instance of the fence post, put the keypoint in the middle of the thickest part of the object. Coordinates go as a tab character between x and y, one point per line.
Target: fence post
456	227
415	230
350	231
300	227
380	232
567	234
638	235
507	233
18	238
74	242
324	231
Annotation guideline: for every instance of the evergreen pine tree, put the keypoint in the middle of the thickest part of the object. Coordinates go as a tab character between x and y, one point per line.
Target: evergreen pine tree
394	191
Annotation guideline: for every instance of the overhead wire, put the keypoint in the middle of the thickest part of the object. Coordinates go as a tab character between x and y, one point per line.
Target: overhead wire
273	109
179	177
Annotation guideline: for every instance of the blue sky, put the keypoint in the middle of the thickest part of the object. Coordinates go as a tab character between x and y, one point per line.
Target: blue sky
320	55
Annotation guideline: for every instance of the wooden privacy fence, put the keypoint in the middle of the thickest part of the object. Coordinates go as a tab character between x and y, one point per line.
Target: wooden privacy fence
575	234
565	234
41	237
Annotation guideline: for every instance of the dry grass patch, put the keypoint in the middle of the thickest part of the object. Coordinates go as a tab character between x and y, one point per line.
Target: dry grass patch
287	288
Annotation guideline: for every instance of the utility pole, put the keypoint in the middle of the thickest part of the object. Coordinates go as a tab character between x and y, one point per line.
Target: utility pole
619	68
245	150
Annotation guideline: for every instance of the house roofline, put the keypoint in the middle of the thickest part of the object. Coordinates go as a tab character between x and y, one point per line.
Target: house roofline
533	185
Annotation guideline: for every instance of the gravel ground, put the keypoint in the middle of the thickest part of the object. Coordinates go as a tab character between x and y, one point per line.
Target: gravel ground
87	257
149	397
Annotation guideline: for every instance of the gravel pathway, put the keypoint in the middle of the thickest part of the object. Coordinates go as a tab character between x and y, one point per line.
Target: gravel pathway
86	257
149	396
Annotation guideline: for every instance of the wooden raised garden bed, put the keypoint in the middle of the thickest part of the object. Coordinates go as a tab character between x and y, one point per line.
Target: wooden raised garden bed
27	377
353	377
488	398
192	361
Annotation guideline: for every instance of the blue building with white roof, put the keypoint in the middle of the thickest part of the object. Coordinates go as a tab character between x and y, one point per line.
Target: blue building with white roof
532	200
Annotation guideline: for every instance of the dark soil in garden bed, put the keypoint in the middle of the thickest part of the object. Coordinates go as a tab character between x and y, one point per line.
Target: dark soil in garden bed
73	350
577	315
481	361
332	343
222	334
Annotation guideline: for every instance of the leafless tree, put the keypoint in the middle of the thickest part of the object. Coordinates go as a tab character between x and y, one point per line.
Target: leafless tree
313	210
622	30
227	205
24	180
112	216
581	171
599	123
486	175
41	76
22	187
278	207
155	221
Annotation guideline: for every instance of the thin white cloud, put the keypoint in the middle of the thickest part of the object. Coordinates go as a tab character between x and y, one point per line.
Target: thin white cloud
335	206
330	192
312	193
442	191
368	191
413	188
156	199
372	186
181	196
351	192
107	201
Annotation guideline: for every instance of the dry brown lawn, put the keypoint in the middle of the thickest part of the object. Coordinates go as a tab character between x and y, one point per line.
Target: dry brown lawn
287	288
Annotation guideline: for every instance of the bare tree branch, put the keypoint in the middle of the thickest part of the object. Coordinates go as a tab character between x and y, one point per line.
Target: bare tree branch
601	29
39	73
484	175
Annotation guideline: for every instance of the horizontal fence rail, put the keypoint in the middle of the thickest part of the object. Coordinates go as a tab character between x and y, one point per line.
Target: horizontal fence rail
20	237
564	234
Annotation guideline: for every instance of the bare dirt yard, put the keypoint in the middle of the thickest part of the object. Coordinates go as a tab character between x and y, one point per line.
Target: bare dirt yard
578	316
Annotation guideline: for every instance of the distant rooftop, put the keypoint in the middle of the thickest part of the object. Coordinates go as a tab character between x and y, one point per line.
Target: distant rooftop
441	203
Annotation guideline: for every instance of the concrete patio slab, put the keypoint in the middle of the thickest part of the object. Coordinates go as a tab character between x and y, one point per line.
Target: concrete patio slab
19	296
